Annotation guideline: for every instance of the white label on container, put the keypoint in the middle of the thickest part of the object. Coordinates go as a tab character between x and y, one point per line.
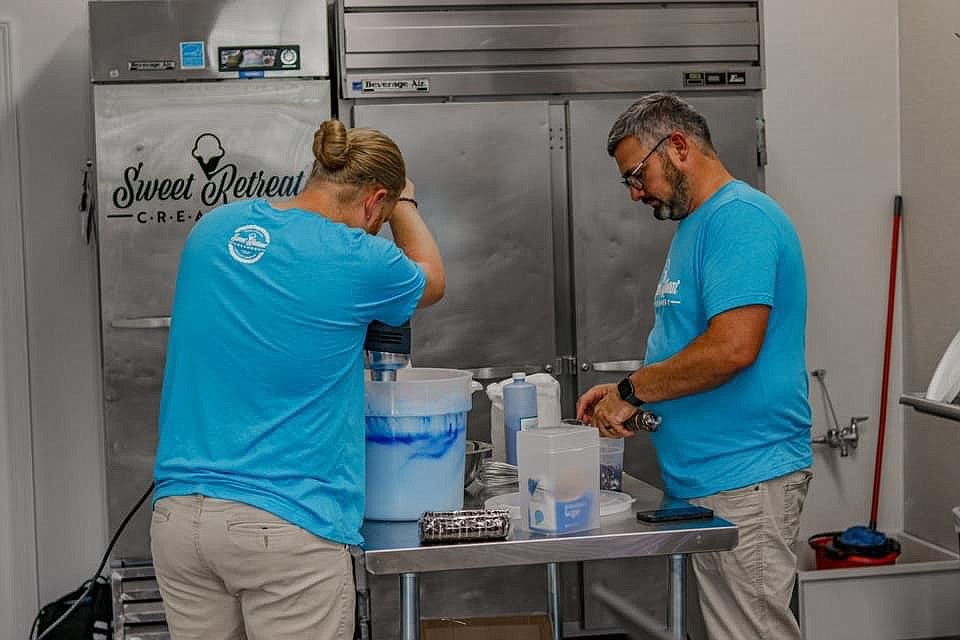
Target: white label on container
548	512
528	423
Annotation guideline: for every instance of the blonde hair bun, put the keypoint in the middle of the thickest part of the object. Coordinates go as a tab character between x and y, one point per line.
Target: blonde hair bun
357	157
331	146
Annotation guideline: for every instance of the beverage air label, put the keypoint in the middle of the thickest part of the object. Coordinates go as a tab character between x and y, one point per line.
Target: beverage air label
392	85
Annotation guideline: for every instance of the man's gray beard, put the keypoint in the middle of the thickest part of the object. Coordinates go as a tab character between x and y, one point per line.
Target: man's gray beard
679	206
665	212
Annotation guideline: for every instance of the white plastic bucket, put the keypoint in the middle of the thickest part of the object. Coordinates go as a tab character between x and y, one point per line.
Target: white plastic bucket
416	430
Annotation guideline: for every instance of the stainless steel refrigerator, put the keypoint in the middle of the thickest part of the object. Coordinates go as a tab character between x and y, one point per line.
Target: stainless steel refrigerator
502	112
196	104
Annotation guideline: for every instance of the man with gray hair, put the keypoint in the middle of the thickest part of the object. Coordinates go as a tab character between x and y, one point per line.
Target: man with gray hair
725	365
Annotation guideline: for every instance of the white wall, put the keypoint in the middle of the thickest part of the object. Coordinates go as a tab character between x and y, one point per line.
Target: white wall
18	557
931	309
832	111
50	62
832	126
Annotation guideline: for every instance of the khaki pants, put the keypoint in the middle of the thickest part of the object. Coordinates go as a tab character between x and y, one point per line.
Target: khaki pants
745	593
229	571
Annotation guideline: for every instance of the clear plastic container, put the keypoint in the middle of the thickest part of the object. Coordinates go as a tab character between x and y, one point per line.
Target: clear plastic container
416	442
418	389
612	503
559	473
611	464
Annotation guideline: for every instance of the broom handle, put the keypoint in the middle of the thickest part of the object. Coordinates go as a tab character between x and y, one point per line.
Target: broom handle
891	296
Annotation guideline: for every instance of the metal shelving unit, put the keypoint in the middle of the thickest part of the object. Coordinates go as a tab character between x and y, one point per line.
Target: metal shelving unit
942	409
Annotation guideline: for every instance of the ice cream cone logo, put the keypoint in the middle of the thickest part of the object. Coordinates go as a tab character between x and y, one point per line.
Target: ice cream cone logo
207	151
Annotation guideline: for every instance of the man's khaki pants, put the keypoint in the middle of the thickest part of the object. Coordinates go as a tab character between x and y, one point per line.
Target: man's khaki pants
229	571
745	593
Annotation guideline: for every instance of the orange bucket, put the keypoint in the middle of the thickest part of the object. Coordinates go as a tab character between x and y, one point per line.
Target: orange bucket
855	547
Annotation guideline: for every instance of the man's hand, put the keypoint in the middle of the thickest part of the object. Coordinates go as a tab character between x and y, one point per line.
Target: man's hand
610	413
602	407
588	400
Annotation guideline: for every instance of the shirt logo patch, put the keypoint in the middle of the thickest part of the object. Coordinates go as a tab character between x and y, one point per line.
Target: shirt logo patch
668	291
248	243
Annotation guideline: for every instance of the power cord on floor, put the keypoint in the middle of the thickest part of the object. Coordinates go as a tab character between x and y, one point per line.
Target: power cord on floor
96	575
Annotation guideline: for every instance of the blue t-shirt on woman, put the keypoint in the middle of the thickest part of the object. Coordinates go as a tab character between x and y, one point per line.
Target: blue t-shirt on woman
263	389
738	248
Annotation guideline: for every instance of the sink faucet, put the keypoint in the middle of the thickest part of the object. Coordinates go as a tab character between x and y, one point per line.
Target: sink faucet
845	438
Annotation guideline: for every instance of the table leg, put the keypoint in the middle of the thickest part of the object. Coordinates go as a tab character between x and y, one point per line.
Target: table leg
677	613
409	606
553	596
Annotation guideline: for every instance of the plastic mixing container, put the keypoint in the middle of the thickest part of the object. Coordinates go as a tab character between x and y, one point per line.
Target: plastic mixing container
611	464
559	473
416	441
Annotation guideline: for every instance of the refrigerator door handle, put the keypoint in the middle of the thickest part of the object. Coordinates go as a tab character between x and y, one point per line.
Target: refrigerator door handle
499	373
147	322
615	366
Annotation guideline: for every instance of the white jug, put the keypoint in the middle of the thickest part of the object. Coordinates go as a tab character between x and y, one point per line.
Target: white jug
548	408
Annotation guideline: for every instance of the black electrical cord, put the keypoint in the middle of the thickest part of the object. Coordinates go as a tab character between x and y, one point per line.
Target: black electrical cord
96	575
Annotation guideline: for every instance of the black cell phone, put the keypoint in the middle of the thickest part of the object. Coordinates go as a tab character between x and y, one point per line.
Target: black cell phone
672	514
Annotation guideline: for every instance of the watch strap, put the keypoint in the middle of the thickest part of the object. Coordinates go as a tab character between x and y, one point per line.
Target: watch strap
627	393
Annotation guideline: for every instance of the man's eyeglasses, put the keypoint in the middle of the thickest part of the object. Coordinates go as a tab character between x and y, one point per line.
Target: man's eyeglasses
634	179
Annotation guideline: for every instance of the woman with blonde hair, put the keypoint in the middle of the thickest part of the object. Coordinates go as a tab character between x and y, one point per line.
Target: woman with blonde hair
260	462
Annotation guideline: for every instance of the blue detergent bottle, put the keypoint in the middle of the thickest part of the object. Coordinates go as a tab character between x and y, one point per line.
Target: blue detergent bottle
519	411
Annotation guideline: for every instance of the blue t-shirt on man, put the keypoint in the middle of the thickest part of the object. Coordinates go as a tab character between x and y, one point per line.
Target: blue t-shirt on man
738	248
263	389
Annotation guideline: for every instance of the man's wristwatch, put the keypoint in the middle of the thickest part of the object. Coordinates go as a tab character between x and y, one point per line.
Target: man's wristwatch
625	389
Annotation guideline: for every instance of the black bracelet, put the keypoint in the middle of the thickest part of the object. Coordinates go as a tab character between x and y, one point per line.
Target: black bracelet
410	200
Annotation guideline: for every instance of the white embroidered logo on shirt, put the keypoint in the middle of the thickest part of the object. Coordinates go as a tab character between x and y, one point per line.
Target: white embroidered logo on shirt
666	287
248	243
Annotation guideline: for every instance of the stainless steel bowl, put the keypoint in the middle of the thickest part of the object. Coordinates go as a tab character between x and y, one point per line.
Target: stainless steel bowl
476	452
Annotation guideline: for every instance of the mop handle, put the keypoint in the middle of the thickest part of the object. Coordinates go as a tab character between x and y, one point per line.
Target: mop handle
891	295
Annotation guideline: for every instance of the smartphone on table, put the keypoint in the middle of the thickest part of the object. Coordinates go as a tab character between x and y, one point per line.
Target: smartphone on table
674	511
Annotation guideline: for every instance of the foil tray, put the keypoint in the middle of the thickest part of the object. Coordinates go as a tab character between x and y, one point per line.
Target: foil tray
465	525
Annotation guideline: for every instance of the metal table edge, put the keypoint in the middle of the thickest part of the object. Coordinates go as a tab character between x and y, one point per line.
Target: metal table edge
720	535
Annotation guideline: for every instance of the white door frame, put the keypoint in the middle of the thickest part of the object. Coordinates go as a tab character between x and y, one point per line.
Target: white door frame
19	596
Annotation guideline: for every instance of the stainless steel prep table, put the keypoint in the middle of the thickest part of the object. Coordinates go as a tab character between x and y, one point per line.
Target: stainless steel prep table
393	548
